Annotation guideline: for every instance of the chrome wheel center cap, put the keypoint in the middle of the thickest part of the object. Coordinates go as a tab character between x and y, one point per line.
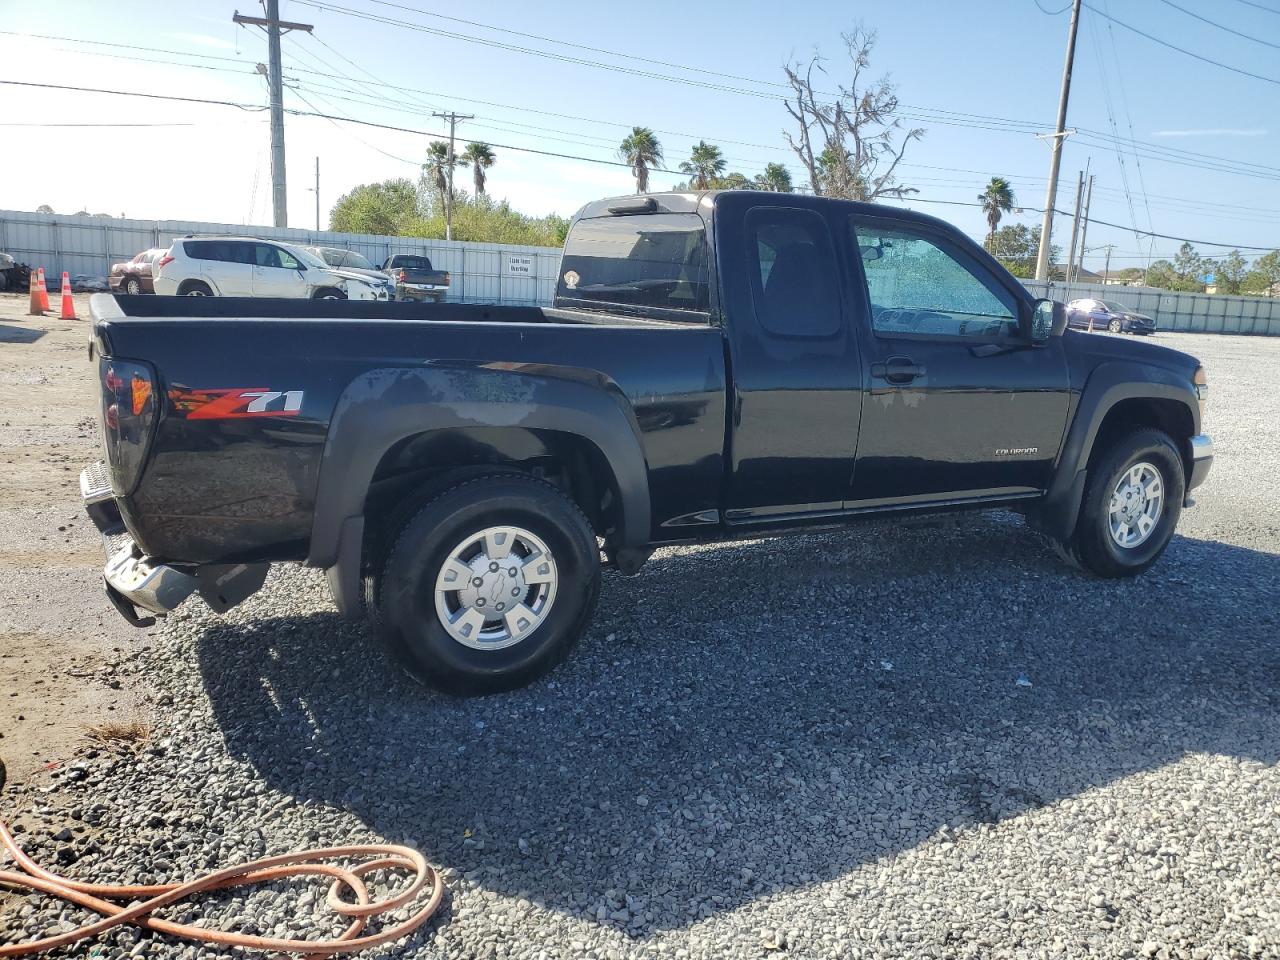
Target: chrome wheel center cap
494	587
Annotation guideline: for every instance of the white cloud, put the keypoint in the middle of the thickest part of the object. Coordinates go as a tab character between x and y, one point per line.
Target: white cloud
1213	132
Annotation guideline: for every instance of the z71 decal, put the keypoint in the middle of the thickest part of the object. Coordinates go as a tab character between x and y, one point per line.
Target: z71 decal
236	403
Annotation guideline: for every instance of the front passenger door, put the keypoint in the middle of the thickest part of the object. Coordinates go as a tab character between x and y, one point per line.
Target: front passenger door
960	404
277	273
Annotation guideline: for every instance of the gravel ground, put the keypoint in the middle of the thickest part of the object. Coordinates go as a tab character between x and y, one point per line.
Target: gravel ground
922	739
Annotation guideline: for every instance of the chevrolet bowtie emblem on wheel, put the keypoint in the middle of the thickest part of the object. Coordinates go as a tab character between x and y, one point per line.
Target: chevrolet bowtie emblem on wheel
236	403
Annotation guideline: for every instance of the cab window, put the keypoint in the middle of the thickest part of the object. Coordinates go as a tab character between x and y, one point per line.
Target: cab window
922	284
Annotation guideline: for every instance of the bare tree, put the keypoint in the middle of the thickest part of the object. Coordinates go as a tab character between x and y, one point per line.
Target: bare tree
850	141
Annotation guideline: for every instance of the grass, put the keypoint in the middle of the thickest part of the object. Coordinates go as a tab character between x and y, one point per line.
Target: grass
134	734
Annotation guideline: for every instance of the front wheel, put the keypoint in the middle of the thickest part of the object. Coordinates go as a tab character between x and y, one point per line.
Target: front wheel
1131	505
489	585
1115	326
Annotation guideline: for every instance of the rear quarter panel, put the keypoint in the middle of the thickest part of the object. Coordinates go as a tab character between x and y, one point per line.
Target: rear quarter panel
243	487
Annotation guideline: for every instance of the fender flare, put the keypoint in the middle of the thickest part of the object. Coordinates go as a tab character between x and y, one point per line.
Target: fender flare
1108	384
381	407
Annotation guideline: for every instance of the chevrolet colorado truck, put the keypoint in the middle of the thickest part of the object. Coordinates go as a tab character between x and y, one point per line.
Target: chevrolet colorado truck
716	365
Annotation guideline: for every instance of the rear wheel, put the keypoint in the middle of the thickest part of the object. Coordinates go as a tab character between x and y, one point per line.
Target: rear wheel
133	286
489	585
1131	505
195	288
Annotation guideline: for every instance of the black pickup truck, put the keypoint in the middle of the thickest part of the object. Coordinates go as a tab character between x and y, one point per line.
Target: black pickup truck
416	279
715	366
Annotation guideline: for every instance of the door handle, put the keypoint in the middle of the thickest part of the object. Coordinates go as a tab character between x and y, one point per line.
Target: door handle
897	370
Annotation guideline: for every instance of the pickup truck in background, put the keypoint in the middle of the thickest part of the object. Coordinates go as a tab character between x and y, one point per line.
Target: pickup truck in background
416	279
716	365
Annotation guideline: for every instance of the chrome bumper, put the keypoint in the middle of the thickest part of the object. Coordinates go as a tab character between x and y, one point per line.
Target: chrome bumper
1201	463
133	581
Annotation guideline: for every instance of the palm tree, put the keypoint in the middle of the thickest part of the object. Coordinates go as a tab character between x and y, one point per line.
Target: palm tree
479	156
776	178
437	167
704	165
997	199
642	150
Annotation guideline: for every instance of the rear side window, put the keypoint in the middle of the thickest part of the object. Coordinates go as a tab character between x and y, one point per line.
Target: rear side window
793	273
225	251
410	263
653	261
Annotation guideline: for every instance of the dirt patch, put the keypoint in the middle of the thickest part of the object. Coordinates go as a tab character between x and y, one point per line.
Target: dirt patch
60	642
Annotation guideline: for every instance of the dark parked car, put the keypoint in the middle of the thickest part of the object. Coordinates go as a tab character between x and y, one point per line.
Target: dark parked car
134	276
416	279
717	366
1108	315
348	261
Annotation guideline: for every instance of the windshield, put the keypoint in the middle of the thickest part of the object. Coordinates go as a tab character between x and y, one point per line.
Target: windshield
354	259
306	256
650	261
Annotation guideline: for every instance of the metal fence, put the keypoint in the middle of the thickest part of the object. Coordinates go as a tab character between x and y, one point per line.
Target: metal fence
505	273
1195	312
480	272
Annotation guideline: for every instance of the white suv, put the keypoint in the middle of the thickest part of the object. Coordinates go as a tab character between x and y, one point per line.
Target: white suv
249	267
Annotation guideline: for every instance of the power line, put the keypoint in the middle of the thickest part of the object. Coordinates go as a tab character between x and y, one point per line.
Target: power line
97	124
1221	26
1258	6
1182	50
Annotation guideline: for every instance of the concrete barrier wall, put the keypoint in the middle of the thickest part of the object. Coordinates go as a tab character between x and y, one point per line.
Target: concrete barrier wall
1194	312
481	272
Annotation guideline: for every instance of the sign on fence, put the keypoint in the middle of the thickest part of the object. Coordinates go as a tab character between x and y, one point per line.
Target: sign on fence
518	266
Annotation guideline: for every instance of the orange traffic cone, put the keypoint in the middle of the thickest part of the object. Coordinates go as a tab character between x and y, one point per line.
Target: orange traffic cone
44	291
68	302
33	284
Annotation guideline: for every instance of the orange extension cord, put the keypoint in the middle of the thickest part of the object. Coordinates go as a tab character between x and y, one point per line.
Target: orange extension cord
98	897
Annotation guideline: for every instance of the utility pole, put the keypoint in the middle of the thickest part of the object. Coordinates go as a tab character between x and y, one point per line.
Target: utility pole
317	190
1059	134
1075	221
273	26
453	119
1084	229
1106	270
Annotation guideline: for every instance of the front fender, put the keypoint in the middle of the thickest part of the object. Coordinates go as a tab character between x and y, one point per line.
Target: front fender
382	407
1110	383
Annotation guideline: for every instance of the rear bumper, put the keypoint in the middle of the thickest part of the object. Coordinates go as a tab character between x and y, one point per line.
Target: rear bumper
141	588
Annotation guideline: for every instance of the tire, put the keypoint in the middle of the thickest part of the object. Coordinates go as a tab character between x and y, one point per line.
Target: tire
133	287
1094	544
328	293
1115	326
4	279
195	288
412	605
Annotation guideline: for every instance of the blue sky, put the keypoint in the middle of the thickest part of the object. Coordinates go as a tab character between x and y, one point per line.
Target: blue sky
980	60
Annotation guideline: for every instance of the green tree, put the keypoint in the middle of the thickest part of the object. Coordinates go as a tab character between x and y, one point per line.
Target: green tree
776	179
1265	274
1189	269
1016	245
996	200
641	149
1228	275
705	164
386	208
436	169
479	157
1161	275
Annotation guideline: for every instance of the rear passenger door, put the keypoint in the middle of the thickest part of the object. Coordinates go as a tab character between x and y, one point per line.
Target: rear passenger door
959	404
796	368
225	264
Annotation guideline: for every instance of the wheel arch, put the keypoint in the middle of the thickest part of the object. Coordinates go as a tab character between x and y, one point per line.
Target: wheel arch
1117	397
397	431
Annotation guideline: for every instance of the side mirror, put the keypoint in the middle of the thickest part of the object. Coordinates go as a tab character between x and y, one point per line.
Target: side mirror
1048	319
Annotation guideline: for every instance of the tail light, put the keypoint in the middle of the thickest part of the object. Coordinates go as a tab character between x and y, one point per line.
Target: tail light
163	260
128	418
447	278
400	277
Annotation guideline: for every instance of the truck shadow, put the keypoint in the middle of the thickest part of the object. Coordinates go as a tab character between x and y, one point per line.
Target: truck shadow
749	718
